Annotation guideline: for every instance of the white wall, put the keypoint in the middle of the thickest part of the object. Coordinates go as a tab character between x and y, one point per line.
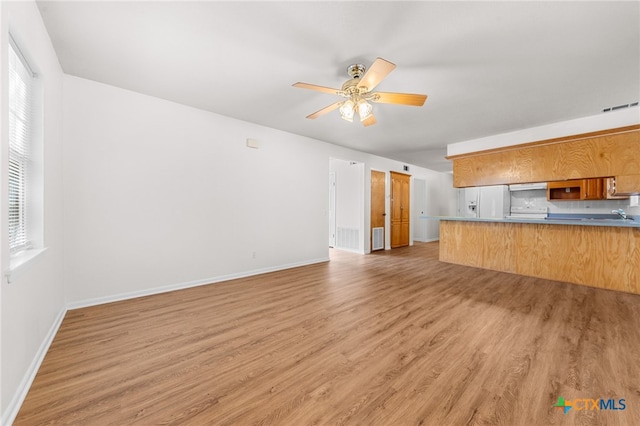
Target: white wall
537	198
33	303
159	194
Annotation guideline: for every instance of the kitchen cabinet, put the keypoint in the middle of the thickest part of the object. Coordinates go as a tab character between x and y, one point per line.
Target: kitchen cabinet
595	256
576	190
627	184
612	152
593	189
611	191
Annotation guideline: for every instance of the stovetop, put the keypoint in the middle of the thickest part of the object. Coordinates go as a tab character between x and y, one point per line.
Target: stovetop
527	213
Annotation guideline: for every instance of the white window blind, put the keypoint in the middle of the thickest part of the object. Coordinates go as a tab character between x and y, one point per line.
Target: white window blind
21	82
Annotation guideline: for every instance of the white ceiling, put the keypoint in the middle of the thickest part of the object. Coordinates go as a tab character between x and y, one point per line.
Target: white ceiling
488	67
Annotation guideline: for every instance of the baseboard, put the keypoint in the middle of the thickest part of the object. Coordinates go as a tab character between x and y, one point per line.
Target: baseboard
180	286
428	240
349	250
21	393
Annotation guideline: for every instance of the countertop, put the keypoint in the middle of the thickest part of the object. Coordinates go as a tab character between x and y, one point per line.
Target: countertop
552	221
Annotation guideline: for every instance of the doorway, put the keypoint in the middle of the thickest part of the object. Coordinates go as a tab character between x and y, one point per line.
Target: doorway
378	212
400	209
346	205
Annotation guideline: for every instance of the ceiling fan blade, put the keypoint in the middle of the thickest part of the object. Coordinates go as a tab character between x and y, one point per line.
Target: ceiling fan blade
398	98
325	110
376	73
322	89
369	120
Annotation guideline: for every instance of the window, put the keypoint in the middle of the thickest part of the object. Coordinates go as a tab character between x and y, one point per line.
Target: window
21	88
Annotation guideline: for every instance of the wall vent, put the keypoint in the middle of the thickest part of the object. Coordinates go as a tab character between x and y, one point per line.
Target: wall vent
377	239
348	238
615	108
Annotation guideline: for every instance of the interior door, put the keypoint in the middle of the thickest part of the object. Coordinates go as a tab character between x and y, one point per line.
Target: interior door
377	209
419	209
400	209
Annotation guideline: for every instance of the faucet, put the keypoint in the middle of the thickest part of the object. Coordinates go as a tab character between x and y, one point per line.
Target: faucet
620	213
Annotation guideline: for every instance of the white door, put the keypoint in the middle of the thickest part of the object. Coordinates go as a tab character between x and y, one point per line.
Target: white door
419	210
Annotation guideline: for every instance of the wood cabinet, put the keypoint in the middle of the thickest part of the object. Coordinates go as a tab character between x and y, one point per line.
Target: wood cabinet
611	191
597	256
593	189
627	184
576	189
606	153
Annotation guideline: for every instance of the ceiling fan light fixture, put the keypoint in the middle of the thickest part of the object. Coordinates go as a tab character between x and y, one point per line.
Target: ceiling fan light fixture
358	92
347	110
364	109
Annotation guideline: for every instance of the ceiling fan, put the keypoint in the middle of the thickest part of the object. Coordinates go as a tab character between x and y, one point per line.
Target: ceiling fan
358	93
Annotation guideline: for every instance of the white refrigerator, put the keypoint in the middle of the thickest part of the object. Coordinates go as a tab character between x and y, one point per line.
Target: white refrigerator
485	201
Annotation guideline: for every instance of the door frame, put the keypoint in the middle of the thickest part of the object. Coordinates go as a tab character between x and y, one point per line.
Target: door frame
332	209
384	207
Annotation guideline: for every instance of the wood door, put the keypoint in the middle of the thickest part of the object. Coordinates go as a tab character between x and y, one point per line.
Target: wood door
377	207
399	209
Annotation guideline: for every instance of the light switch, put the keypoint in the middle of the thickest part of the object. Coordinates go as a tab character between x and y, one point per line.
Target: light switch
253	143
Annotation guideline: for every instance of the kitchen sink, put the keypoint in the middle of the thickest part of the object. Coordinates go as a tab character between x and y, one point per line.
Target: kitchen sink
592	217
597	219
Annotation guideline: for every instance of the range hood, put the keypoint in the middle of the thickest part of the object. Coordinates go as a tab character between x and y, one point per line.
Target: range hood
527	186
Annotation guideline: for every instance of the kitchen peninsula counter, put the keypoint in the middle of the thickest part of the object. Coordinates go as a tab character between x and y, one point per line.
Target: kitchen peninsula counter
551	221
596	253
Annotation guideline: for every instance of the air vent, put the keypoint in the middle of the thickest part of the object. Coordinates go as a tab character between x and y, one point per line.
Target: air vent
615	108
378	239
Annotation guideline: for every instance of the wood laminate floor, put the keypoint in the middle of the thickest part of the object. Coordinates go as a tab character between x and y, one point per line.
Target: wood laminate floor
392	338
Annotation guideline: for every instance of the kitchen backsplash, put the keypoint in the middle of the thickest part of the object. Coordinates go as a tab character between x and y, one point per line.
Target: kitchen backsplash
537	198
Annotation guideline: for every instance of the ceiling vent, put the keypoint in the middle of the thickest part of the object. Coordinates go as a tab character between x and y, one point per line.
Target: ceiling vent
615	108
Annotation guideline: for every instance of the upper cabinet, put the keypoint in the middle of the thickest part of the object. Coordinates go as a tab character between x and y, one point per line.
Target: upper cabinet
611	190
576	189
599	155
587	189
627	184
